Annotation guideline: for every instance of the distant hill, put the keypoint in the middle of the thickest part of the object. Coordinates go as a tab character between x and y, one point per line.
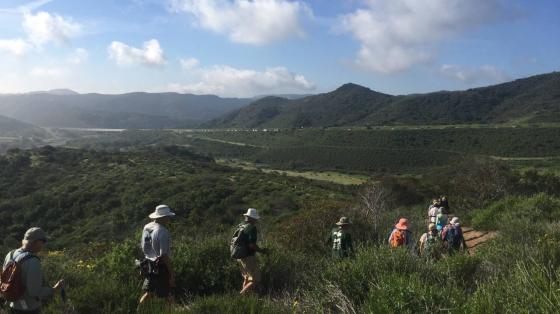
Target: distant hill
61	91
64	108
17	134
9	125
533	99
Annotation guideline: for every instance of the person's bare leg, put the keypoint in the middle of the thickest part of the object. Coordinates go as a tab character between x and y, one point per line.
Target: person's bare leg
247	287
144	297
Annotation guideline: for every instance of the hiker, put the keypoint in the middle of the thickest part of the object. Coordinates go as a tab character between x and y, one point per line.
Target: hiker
441	221
248	261
444	204
452	237
29	291
401	236
433	210
156	245
430	243
341	240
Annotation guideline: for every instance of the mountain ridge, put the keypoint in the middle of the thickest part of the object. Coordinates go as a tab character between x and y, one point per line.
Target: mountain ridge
531	99
131	110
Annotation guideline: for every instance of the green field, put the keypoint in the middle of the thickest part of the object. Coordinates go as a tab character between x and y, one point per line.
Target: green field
404	150
328	176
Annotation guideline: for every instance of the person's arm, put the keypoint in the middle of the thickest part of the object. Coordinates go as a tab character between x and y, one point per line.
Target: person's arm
422	242
391	235
34	281
252	241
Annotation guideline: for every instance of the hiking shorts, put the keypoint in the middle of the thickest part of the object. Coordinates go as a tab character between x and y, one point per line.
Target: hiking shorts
250	268
158	284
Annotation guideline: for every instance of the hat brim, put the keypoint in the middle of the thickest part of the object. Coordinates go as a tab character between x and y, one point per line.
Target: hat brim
343	223
254	217
156	216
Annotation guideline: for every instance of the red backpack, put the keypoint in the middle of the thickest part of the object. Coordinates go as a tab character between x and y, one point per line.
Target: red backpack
398	238
11	286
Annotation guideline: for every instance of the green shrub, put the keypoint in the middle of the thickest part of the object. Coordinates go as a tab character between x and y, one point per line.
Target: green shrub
235	304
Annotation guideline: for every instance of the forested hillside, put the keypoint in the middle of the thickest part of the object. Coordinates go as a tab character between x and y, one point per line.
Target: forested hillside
399	151
84	196
533	99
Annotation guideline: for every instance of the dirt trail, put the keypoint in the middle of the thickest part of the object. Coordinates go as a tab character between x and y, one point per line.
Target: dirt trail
475	238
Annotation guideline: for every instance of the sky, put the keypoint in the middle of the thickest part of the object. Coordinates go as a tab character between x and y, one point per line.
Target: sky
245	48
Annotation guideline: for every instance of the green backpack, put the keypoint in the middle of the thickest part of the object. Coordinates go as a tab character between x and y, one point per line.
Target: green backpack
238	246
433	246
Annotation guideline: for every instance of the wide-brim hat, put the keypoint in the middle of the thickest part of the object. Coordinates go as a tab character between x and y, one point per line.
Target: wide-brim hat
343	221
455	220
252	213
162	211
403	224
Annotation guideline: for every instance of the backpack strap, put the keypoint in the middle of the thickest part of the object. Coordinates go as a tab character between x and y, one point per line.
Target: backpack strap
23	259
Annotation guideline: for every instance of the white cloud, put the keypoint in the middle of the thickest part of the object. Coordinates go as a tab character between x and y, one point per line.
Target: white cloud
43	28
484	73
189	63
151	54
17	47
397	34
224	80
78	56
255	22
48	72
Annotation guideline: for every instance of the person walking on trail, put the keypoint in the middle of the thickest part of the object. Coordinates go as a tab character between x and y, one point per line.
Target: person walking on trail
25	266
444	204
248	262
452	237
441	221
433	210
401	235
341	240
430	243
156	245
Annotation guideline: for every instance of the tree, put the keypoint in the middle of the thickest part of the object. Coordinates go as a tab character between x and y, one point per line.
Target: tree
373	204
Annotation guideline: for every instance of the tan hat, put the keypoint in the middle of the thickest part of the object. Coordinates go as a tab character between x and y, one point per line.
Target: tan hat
162	211
343	221
35	234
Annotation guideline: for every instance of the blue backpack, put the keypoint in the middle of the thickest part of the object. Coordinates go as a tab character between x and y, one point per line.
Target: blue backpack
453	237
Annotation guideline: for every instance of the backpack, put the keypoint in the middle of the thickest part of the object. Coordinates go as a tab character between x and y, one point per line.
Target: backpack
11	286
238	247
432	248
453	237
398	238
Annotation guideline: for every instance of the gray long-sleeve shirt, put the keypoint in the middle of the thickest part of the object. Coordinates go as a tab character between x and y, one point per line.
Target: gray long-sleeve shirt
32	277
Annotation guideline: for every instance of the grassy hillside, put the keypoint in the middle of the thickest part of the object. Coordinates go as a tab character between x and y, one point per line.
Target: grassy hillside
533	99
93	205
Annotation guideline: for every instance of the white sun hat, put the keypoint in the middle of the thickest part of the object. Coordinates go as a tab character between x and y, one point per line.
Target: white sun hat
162	211
252	213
